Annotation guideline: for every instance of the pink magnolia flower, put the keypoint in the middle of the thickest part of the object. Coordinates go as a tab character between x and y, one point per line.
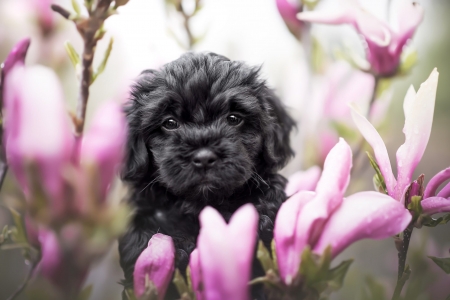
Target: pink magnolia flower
418	109
44	14
384	44
155	264
325	218
288	10
38	135
221	265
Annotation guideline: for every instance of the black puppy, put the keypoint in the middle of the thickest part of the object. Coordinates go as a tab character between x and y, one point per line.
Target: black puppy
203	130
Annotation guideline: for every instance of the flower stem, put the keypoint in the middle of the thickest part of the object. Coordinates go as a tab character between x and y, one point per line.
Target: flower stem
90	29
25	281
403	272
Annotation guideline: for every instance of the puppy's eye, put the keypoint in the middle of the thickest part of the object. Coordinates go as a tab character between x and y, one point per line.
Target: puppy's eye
170	124
234	120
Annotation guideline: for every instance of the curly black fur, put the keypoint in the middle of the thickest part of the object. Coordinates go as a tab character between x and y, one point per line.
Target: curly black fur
168	192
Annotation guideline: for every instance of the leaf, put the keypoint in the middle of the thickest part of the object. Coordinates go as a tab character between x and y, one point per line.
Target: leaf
85	293
180	284
20	235
379	176
408	61
76	7
73	55
415	205
430	222
337	275
264	257
373	290
102	65
314	268
274	255
443	263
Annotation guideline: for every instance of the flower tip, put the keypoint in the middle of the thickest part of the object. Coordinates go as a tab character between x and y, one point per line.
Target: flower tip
17	55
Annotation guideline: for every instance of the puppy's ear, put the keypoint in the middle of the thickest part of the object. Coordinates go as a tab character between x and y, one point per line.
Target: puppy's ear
137	159
277	149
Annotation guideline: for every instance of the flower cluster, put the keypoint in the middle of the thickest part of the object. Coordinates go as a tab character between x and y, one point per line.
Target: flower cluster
65	178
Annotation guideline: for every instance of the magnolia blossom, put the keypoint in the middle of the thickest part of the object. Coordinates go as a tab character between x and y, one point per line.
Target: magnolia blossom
418	108
155	265
40	143
384	44
44	14
325	218
16	56
288	10
221	264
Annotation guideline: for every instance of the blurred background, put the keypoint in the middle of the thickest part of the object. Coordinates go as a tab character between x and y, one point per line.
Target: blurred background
149	33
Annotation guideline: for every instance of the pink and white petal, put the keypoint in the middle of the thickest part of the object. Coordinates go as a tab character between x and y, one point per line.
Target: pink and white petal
16	56
196	275
417	130
363	215
435	182
223	276
434	205
329	195
288	257
157	263
374	139
409	100
303	181
410	15
365	23
335	175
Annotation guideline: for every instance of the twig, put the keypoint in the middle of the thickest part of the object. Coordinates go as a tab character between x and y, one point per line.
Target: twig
90	30
25	282
403	272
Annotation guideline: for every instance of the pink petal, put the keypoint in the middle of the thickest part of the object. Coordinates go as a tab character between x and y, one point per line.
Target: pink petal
157	262
288	11
434	205
103	144
16	56
226	252
329	194
369	26
374	139
336	173
303	181
435	182
51	256
288	257
196	275
37	129
417	129
410	15
445	192
363	215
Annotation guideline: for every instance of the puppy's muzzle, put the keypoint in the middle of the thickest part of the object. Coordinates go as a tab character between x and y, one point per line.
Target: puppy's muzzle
204	158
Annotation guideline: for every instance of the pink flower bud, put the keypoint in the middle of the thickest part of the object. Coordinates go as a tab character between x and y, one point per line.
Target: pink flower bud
156	263
37	130
225	252
288	10
16	56
102	145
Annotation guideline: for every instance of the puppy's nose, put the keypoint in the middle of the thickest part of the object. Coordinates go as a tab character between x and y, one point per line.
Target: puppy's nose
204	158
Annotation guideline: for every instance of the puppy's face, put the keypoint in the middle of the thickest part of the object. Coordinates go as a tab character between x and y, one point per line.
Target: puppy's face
206	126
